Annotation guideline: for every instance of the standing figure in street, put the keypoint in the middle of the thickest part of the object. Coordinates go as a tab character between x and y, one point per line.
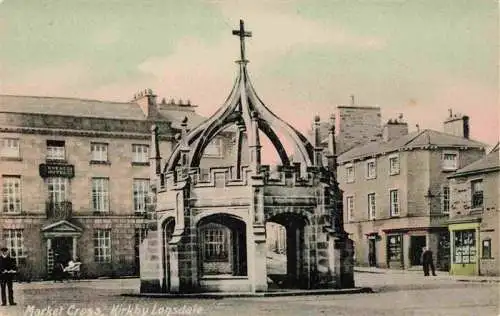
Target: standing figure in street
428	262
7	271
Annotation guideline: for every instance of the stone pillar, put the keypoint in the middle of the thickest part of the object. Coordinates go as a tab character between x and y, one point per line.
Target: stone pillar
405	252
174	269
259	282
334	260
49	254
239	144
73	255
254	146
318	149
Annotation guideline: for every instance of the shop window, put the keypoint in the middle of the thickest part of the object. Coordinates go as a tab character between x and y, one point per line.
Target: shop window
486	249
395	248
464	246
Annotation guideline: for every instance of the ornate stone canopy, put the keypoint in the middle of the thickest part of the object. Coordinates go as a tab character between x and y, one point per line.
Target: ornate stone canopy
245	110
194	213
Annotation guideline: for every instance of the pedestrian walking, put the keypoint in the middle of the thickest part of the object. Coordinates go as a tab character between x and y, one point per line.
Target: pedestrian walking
428	262
7	271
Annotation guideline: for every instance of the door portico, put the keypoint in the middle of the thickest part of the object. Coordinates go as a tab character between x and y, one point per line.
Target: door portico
62	239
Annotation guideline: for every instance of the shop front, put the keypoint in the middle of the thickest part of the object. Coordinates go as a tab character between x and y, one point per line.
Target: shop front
464	248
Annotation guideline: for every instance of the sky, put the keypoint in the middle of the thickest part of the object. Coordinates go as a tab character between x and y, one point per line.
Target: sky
416	57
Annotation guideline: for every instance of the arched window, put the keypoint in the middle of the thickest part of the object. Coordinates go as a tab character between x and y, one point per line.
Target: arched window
222	245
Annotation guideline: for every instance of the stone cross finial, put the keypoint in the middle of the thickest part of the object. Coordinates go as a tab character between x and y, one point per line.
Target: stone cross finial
242	34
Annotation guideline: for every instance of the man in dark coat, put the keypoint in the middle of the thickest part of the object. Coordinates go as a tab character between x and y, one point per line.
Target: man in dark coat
7	271
427	262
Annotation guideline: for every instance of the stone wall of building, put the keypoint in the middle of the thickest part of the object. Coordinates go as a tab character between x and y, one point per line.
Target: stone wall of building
460	205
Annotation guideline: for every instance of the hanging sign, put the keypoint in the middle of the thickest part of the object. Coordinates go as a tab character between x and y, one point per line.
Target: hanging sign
57	170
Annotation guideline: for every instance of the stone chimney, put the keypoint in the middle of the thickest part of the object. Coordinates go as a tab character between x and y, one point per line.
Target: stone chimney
457	124
146	100
394	128
357	125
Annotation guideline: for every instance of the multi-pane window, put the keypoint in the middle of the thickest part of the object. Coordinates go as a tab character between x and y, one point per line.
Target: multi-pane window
140	153
350	207
141	190
214	148
55	150
394	199
445	200
450	161
215	244
102	245
486	249
99	152
393	164
350	176
477	193
371	206
464	246
14	241
10	148
11	194
58	189
371	169
100	194
395	248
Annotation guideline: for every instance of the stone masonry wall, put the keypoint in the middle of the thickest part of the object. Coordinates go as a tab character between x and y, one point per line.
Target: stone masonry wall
357	125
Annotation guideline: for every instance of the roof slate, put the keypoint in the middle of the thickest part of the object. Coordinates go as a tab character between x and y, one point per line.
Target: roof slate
412	140
92	109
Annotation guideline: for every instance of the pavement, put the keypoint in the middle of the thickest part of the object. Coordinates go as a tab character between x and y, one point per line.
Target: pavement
395	293
441	275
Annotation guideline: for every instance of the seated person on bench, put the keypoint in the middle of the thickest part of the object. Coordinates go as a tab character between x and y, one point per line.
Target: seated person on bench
73	268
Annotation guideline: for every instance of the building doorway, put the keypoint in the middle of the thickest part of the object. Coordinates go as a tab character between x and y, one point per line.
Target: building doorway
63	249
417	243
372	252
140	235
443	254
167	232
289	271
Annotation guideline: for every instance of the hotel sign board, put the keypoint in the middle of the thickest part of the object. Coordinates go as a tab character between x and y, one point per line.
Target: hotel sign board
57	170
